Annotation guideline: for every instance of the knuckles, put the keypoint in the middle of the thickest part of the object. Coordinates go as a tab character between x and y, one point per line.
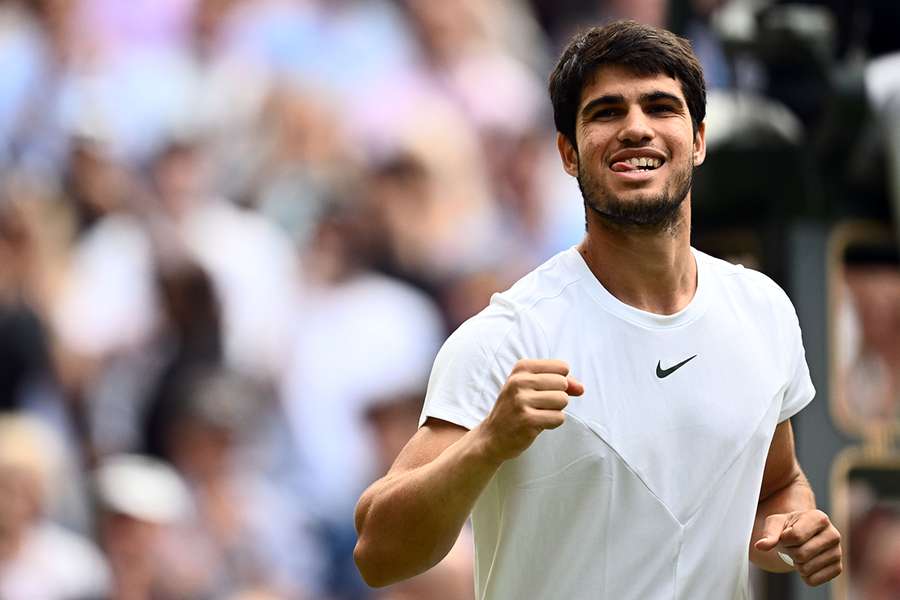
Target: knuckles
517	380
823	575
829	543
832	563
816	520
820	518
520	366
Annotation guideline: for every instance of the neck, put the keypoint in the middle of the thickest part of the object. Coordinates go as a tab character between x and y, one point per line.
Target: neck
649	270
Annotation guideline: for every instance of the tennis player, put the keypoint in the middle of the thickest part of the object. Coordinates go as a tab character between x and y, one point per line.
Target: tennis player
618	422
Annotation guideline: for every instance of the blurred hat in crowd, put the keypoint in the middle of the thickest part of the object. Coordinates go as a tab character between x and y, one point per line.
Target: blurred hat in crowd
143	488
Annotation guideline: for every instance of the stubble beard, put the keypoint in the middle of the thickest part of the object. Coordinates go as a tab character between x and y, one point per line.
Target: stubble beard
646	213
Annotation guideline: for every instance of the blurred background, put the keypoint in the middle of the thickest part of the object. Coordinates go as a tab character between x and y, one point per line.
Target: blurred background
234	233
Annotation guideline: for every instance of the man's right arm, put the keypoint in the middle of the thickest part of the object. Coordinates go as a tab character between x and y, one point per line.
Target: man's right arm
408	520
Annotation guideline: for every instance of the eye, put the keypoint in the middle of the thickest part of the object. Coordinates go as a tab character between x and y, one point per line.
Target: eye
660	109
605	113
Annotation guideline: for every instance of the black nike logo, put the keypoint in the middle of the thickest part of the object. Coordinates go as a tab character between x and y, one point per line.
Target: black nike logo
662	373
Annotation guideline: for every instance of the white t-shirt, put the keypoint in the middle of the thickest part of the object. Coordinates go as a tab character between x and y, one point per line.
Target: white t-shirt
649	490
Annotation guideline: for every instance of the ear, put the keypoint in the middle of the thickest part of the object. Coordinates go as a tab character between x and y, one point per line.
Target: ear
700	144
568	153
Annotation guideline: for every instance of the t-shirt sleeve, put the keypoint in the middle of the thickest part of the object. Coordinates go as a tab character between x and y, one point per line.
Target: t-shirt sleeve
799	391
474	363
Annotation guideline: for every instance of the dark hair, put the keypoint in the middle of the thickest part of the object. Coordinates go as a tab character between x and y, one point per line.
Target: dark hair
641	49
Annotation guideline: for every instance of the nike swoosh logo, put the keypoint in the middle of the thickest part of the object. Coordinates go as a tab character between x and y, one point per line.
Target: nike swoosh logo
663	373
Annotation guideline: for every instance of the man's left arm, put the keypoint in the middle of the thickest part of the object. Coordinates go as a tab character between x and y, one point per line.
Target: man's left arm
787	521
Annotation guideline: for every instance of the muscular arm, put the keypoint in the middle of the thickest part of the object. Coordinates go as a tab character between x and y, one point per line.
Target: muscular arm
785	489
408	520
787	520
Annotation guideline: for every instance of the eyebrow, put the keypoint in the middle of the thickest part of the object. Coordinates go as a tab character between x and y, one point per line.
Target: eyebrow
642	99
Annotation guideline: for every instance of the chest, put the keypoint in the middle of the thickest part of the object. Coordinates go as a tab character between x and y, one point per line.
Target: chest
677	409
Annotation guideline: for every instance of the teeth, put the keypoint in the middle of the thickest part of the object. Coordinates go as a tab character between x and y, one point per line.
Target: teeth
643	161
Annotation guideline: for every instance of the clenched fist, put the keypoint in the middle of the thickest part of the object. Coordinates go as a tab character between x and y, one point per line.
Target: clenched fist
532	400
810	542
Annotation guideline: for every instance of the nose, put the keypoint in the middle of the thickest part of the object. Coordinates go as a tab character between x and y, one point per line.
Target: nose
635	127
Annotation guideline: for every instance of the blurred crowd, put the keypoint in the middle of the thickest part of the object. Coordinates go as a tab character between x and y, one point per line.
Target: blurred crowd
874	535
869	328
234	233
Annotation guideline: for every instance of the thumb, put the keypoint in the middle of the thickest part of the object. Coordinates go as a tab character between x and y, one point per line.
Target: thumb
771	532
576	388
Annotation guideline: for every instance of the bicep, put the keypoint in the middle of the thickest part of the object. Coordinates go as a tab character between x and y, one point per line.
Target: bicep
427	444
781	462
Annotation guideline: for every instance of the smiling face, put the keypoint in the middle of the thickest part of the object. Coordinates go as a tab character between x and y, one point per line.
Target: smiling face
636	148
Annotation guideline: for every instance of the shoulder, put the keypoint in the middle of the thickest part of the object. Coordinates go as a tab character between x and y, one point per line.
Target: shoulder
747	286
552	280
520	309
476	359
513	325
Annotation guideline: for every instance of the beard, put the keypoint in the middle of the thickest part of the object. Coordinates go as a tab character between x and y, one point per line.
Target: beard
645	213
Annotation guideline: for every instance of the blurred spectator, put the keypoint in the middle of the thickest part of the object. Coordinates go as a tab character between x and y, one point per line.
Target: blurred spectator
303	157
31	38
441	221
251	263
259	534
350	320
143	511
870	350
131	399
22	46
345	45
190	343
106	303
38	558
357	335
118	28
104	309
874	544
29	381
876	557
24	352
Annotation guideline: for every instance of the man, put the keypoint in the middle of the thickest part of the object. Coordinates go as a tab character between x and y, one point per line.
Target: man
674	462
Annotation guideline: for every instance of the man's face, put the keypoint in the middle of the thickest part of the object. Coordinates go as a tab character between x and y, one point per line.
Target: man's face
636	148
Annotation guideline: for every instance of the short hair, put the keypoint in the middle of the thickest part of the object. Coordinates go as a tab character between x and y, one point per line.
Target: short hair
642	49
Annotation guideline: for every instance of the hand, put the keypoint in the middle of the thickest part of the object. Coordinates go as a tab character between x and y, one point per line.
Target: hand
809	539
531	401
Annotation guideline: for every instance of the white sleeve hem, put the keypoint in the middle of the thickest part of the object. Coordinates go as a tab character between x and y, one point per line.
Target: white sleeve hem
795	408
445	414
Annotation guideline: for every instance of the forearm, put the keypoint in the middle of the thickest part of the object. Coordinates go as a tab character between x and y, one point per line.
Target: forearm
796	495
409	521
